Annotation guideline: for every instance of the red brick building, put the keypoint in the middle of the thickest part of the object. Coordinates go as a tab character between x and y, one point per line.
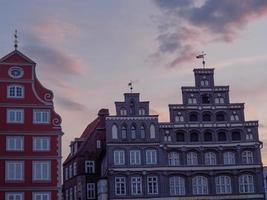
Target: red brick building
30	133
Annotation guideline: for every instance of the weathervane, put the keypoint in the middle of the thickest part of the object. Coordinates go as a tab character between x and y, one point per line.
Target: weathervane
16	39
130	84
202	55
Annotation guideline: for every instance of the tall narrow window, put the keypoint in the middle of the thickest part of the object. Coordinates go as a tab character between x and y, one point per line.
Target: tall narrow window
119	157
41	116
74	168
136	185
179	117
124	132
132	108
143	132
14	171
192	158
15	91
14	143
142	111
200	185
151	156
174	159
91	191
247	157
41	170
15	116
114	131
71	193
210	158
133	132
223	185
120	186
229	158
89	166
152	131
246	183
177	186
152	185
135	157
123	112
234	116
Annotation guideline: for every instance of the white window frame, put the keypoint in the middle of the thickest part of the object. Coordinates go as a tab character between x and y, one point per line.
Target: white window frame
192	158
41	112
246	183
152	185
70	171
17	175
18	143
200	185
41	195
16	111
123	111
133	132
120	186
66	173
136	185
174	158
210	158
119	157
177	186
247	157
142	111
152	131
14	195
223	185
114	131
151	156
98	144
91	191
16	88
42	140
39	165
229	158
135	157
74	168
89	166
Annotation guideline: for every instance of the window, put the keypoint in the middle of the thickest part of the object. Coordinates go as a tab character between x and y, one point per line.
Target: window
219	100
132	107
123	111
200	185
70	170
179	117
193	117
249	136
136	185
247	157
114	131
119	157
236	136
41	196
15	143
15	116
152	131
120	186
14	196
220	116
204	83
192	158
66	173
41	116
71	193
223	185
208	137
222	136
177	186
67	194
133	132
151	156
180	137
143	131
205	99
192	100
124	132
229	158
206	117
41	143
135	157
89	166
142	111
194	137
91	194
41	170
75	192
74	168
246	183
152	185
14	171
98	144
234	116
174	159
210	158
15	91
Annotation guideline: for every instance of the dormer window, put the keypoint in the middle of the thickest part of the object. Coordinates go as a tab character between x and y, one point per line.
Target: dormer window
142	111
123	112
15	91
179	117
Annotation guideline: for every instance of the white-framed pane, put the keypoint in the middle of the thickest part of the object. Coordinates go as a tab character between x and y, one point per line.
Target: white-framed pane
41	170
90	166
229	158
152	131
14	143
151	156
41	143
120	186
114	131
91	191
200	185
14	170
247	157
14	196
152	185
15	116
135	157
119	157
41	196
223	185
177	186
174	159
210	158
192	158
136	185
15	91
246	183
41	116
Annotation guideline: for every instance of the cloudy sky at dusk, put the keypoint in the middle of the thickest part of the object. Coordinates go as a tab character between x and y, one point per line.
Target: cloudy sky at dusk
87	51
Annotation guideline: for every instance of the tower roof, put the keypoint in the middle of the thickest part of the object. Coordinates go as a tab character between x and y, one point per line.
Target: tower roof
16	57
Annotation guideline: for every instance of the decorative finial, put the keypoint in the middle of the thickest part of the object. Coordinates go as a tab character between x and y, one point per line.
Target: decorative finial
202	55
16	39
130	84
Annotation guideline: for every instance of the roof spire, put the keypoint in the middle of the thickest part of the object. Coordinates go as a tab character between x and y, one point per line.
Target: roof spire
202	55
16	40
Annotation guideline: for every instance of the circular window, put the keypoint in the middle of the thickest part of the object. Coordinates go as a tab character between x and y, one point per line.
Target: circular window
15	72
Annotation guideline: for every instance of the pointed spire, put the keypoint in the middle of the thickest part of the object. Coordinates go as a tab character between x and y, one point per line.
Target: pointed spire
16	40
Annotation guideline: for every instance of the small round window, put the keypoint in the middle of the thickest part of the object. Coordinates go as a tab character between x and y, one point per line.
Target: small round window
15	72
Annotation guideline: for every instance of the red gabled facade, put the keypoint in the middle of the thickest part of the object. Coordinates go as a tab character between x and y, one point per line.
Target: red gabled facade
30	133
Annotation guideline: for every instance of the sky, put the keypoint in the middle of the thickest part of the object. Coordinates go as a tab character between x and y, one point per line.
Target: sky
88	51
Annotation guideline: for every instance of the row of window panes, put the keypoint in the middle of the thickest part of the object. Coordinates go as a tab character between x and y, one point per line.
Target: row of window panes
71	170
17	116
141	111
177	187
206	117
71	193
14	170
15	91
16	143
205	99
133	131
20	196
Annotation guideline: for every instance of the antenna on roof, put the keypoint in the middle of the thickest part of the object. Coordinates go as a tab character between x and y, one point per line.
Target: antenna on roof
202	55
130	84
16	39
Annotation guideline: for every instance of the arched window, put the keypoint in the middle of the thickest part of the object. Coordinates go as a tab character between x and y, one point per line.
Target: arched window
192	158
177	186
142	111
219	100
210	158
222	136
193	117
143	132
234	116
15	91
223	185
247	157
229	158
174	159
179	117
205	99
180	137
132	108
249	136
133	132
246	183
194	137
206	117
152	131
123	111
220	116
114	131
204	83
124	132
200	185
207	136
192	99
236	136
